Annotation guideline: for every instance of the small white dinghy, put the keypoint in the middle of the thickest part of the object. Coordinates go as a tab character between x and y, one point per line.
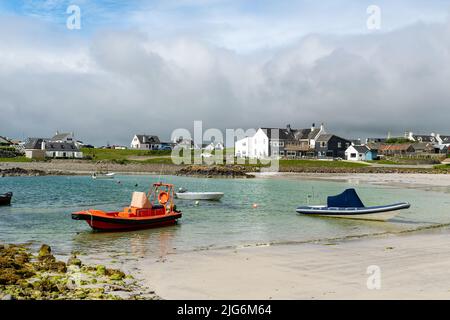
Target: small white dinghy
348	205
211	196
98	176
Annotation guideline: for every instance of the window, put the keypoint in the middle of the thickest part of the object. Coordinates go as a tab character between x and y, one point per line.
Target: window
353	155
323	144
339	145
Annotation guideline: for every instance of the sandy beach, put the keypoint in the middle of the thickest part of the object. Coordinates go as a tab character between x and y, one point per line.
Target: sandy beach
412	266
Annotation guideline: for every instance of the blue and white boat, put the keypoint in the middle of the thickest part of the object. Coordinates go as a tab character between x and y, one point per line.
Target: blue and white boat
349	205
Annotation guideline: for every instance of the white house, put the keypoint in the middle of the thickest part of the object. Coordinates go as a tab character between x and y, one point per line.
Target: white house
273	142
145	142
40	148
242	147
65	150
214	146
360	153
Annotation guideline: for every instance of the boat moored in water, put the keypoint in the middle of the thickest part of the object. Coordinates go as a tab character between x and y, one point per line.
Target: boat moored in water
5	199
185	195
155	209
99	175
348	205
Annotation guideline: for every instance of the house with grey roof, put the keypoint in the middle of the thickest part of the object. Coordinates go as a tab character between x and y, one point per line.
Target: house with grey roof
41	148
64	150
274	142
145	142
331	146
360	153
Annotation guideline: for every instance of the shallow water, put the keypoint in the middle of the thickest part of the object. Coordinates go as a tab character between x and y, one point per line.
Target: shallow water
41	209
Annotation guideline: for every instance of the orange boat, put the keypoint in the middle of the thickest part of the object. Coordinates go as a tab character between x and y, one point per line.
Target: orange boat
155	209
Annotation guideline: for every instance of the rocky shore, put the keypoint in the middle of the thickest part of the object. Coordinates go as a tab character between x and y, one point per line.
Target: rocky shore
20	172
24	276
226	171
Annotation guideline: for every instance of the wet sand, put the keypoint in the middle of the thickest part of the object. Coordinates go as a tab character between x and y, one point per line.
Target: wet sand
412	266
394	179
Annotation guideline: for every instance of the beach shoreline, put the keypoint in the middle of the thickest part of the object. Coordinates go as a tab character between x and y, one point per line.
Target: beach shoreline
415	265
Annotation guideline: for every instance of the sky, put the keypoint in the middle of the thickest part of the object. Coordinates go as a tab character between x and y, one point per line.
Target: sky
150	67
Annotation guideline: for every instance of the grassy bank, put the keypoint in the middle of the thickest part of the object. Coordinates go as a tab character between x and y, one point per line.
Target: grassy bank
16	159
116	155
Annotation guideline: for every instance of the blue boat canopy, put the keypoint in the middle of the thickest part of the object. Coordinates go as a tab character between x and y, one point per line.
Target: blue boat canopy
348	198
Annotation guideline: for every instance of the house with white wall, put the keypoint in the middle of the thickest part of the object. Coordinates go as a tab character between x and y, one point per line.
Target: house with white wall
360	153
40	148
145	142
273	142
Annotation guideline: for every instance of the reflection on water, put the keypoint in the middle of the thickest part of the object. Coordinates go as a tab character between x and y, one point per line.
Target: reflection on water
42	206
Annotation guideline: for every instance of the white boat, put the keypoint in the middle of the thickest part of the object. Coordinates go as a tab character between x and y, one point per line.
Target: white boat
98	176
185	195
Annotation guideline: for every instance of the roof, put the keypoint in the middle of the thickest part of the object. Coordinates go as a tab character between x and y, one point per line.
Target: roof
34	143
291	134
283	134
445	139
374	145
424	138
61	146
418	146
3	140
325	137
396	147
361	149
313	133
60	136
143	138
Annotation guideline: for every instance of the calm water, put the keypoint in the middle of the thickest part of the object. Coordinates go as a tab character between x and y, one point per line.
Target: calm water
42	205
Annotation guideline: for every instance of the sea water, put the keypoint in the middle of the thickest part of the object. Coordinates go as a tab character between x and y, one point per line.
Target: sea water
252	212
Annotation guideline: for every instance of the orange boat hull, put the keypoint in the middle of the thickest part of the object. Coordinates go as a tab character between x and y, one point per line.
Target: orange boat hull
115	221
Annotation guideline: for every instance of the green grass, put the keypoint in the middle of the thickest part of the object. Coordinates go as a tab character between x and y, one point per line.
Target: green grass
117	155
399	140
16	159
386	162
442	167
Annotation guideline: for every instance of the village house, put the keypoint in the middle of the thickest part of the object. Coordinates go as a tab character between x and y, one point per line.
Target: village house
360	153
213	146
61	145
273	142
145	142
62	150
331	146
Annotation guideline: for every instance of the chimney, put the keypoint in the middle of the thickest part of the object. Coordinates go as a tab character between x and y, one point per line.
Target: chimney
43	145
322	127
313	126
288	127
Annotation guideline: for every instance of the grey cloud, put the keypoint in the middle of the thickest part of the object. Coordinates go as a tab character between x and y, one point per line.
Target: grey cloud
115	84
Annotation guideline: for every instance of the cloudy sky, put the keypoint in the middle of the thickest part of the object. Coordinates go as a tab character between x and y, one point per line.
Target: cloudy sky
153	66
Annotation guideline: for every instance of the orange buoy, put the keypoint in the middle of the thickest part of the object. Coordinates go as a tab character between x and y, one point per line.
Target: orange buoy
255	205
